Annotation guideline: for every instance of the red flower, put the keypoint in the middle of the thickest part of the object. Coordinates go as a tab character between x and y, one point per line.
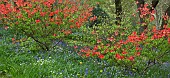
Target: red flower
154	29
95	47
57	11
123	33
108	45
54	35
142	36
6	27
78	24
34	11
90	9
51	1
118	45
101	56
119	57
153	12
37	21
88	54
93	32
111	39
67	32
58	23
75	47
121	41
165	17
116	33
152	18
131	58
93	18
51	14
99	41
138	48
155	36
13	39
71	26
134	33
133	37
138	53
46	3
42	13
124	52
137	2
96	53
19	3
111	50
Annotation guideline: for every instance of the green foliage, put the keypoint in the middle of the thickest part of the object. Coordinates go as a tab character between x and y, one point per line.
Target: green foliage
24	59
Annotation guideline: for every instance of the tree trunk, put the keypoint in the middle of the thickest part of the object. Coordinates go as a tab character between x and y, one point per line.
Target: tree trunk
140	4
154	4
118	12
167	13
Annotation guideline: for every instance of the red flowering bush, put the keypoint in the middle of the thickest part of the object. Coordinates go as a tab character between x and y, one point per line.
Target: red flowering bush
44	20
126	48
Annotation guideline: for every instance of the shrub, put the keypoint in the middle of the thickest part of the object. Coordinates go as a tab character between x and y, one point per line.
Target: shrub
124	47
44	21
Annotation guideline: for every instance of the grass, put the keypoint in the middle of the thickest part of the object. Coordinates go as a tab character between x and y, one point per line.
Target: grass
61	63
46	65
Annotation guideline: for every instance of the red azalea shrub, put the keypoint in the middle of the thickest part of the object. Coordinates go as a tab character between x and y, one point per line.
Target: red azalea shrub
44	20
137	51
134	52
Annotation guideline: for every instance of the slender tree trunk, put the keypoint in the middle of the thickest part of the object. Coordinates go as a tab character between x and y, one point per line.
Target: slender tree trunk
118	12
156	15
154	4
167	13
140	4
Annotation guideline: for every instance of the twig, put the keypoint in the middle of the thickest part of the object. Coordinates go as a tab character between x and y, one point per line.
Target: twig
149	65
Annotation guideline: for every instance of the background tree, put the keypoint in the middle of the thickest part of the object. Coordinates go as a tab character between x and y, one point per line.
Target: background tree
118	6
160	22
